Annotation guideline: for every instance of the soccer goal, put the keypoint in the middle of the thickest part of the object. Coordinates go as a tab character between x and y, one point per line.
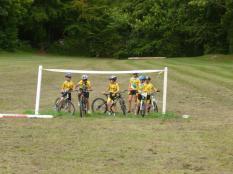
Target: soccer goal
98	75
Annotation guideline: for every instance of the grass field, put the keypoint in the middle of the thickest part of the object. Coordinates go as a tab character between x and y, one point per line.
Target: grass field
201	87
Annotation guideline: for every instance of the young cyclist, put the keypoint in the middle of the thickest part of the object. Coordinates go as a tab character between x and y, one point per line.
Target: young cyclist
113	89
149	89
133	90
67	86
84	85
141	89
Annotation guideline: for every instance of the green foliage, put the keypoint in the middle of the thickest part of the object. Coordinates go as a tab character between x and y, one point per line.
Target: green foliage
119	28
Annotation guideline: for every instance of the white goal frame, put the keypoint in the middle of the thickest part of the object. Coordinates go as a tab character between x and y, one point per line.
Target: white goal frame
39	81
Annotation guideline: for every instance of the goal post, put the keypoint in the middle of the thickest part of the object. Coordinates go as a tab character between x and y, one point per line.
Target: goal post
38	90
41	69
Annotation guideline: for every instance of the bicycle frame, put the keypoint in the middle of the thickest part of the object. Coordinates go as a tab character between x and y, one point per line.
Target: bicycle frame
153	99
118	97
142	102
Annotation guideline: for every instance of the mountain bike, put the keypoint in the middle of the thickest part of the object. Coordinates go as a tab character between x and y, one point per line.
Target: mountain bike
153	103
63	104
100	104
83	102
142	105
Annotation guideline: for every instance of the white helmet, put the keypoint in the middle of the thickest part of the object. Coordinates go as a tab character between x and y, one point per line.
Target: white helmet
113	77
84	77
69	75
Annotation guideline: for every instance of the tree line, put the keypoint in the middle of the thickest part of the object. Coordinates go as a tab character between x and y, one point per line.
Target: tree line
118	28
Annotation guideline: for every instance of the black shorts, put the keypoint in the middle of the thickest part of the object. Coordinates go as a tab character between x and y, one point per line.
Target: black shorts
86	94
140	97
133	92
64	94
148	97
112	96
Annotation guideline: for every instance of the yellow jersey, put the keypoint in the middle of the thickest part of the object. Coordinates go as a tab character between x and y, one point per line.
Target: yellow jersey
149	88
134	83
82	84
141	87
113	87
67	85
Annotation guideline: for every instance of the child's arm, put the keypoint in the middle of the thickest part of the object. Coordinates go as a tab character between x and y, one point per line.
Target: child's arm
77	85
156	89
118	88
62	87
73	87
90	87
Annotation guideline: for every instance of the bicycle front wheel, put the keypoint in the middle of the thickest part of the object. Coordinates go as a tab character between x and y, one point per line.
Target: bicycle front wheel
123	106
68	107
155	107
57	104
142	109
99	105
82	107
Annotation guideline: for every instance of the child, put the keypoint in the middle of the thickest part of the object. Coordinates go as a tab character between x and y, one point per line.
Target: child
113	89
133	90
149	89
141	89
67	86
84	85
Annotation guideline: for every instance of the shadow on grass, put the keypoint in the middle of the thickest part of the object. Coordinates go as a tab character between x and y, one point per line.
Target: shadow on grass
159	116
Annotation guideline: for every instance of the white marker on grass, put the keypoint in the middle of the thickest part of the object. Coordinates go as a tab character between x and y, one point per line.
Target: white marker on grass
185	116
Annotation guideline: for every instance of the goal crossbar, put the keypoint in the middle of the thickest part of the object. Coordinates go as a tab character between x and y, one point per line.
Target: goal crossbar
103	72
39	81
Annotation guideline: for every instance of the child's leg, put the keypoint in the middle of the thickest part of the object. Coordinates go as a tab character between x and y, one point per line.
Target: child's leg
109	104
69	96
87	97
130	102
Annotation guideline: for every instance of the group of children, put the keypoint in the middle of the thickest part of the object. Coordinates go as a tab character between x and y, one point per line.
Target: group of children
137	86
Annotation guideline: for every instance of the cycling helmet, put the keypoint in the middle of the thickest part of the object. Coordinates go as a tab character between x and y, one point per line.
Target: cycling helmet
69	75
113	78
141	78
148	78
84	77
135	73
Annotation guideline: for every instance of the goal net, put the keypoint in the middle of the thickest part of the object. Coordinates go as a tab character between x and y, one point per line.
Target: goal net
48	87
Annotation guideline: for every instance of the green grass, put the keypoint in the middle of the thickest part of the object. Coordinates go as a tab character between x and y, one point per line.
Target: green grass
200	87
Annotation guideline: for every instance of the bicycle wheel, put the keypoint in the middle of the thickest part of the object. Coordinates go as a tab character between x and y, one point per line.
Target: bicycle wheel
81	107
68	107
99	105
155	107
57	104
142	109
123	106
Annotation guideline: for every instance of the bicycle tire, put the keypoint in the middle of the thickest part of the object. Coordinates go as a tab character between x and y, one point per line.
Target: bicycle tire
155	109
99	105
56	104
81	107
70	107
123	106
143	110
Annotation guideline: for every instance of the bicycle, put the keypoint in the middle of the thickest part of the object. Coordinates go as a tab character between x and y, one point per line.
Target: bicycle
142	106
64	104
83	102
100	104
153	104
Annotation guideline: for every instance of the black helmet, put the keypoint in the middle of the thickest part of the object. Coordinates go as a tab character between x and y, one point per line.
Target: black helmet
148	78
